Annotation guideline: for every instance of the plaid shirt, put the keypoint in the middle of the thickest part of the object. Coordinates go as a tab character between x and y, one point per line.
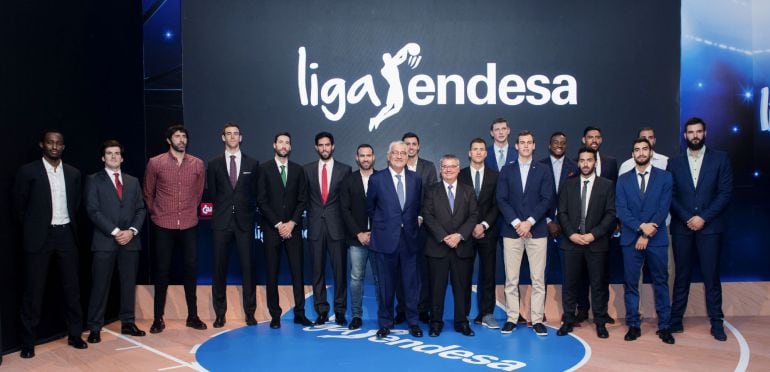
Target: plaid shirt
172	191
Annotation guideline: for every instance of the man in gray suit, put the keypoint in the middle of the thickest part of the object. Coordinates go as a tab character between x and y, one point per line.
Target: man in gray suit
115	206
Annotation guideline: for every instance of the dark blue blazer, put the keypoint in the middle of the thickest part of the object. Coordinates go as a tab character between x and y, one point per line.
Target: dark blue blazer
491	160
107	211
634	209
386	214
569	169
534	201
709	200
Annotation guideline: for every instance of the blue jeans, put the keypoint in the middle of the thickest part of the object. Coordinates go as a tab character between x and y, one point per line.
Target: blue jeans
358	257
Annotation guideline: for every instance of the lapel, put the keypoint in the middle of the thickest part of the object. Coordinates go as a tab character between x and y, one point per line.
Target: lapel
686	165
43	174
335	176
223	171
531	173
107	182
516	177
593	200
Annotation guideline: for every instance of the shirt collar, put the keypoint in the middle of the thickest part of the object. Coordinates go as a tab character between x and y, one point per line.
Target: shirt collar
111	172
697	153
646	169
393	172
555	160
237	154
454	185
49	167
591	178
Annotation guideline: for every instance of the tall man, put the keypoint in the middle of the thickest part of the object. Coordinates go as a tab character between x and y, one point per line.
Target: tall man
483	180
173	186
393	204
450	213
232	183
46	198
281	196
326	230
524	196
587	218
115	206
643	199
358	227
606	166
502	152
657	160
703	183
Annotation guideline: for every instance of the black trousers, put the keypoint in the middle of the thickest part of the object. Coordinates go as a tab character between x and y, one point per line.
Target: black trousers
580	263
243	245
102	266
273	244
337	251
59	244
442	269
708	249
486	249
166	240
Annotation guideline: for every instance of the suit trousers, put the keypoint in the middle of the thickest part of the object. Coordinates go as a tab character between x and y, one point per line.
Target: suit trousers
456	268
581	263
392	269
295	254
513	250
486	249
423	304
337	251
656	259
102	268
243	247
708	250
59	244
166	240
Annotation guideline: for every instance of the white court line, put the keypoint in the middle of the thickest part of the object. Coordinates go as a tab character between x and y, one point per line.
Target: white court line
217	334
169	368
195	348
126	348
182	363
743	361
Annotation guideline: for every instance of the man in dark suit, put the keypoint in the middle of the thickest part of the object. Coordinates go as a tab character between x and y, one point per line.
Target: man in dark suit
358	228
232	183
115	206
500	152
326	230
524	196
46	198
703	183
483	180
281	196
587	218
450	213
393	204
643	196
606	166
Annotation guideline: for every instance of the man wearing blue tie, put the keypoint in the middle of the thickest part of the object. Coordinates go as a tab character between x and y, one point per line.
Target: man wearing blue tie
500	152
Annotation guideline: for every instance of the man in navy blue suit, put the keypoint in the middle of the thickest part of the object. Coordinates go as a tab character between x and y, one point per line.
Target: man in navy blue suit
642	199
393	203
500	152
703	183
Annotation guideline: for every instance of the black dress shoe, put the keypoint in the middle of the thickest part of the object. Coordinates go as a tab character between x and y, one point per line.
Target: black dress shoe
322	319
94	337
355	323
339	318
415	331
250	320
581	316
676	328
158	325
219	322
382	332
665	336
27	352
601	331
275	323
719	333
521	320
634	333
610	320
76	342
465	329
478	319
425	317
196	323
303	320
434	331
564	330
400	318
132	330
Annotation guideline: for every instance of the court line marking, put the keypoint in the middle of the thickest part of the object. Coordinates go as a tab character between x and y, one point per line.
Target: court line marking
155	351
126	348
743	361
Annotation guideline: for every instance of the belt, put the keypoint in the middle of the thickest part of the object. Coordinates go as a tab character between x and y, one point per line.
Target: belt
60	226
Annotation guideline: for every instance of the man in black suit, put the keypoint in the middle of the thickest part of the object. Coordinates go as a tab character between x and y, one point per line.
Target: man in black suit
587	218
46	199
281	197
326	231
483	180
232	184
115	206
358	228
450	214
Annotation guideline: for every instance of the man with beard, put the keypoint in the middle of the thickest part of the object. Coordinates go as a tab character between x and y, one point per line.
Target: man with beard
587	218
643	197
173	186
657	160
281	197
326	230
703	183
353	203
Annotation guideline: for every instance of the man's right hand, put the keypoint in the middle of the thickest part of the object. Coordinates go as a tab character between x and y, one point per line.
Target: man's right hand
364	237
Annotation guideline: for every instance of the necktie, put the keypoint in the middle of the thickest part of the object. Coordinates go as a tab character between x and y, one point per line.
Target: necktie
477	183
500	160
583	206
324	184
400	191
233	171
283	175
643	185
118	185
451	196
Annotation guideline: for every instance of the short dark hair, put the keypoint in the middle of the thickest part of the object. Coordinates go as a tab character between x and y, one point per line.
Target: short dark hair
590	128
176	128
498	121
364	145
112	143
644	129
523	133
558	133
230	124
694	120
324	135
50	130
586	149
478	140
410	135
641	140
275	139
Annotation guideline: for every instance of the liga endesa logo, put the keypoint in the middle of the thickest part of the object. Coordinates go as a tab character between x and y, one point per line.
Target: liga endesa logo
422	90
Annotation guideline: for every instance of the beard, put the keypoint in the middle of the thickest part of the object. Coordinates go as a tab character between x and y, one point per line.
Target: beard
180	147
590	171
283	153
696	146
643	162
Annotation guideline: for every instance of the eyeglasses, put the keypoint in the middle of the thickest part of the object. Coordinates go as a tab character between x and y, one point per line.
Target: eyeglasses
451	166
397	153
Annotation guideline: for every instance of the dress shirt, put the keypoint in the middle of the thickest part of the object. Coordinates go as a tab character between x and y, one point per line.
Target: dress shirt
504	149
557	165
598	169
524	169
646	170
695	160
329	167
172	190
59	215
395	180
659	161
111	176
413	168
480	171
237	162
590	188
365	180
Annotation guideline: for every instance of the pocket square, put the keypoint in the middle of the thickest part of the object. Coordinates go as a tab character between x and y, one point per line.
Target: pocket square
245	172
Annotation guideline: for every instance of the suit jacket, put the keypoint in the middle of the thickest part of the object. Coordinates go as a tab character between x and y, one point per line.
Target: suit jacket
279	203
534	201
491	161
441	221
33	204
487	202
709	200
353	207
388	220
329	214
108	212
568	170
609	167
600	215
239	202
633	209
427	172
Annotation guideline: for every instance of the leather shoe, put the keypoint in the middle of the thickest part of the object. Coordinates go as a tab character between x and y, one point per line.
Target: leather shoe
76	342
425	317
355	323
219	322
676	329
250	320
521	320
415	331
382	332
275	323
94	337
564	330
27	352
634	333
400	318
610	320
339	318
465	329
196	323
158	325
132	330
665	336
302	320
601	331
434	330
322	319
719	333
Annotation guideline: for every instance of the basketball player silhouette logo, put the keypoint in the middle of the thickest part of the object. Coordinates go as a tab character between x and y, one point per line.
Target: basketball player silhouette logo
394	101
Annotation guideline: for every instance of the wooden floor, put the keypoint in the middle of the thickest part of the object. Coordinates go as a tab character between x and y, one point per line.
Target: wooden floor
747	347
